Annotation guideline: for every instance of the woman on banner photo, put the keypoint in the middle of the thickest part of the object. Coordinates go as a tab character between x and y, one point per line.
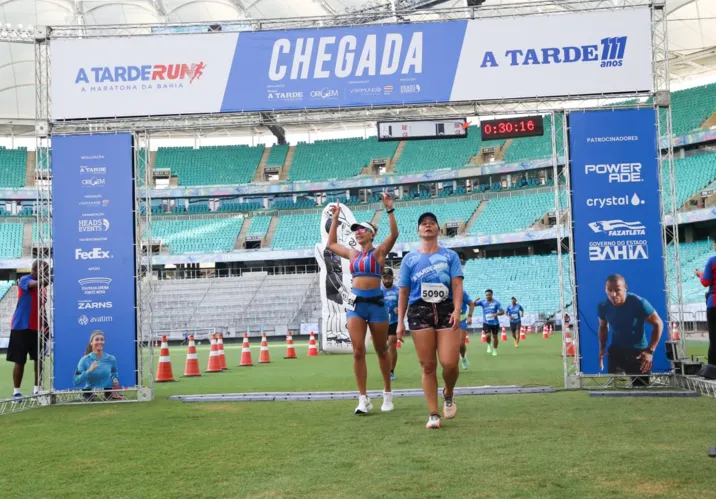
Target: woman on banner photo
623	316
365	306
97	370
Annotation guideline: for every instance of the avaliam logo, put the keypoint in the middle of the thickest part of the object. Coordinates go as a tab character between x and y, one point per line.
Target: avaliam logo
155	72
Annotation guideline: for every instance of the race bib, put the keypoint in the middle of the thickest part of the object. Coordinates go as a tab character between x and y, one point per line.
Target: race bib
350	300
489	317
514	316
433	292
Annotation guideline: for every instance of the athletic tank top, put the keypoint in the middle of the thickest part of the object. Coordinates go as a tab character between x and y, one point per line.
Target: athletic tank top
365	264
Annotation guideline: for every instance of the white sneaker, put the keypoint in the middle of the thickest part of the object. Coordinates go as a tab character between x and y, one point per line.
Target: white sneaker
434	422
449	407
364	405
387	402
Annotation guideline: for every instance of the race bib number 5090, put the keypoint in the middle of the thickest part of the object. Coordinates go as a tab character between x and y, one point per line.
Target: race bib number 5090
433	292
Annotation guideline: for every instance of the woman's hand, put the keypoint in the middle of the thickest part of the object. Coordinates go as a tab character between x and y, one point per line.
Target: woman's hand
94	366
387	201
400	331
455	319
699	273
336	211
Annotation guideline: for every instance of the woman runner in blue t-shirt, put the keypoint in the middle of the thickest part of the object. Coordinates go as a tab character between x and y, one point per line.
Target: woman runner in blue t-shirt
365	305
431	295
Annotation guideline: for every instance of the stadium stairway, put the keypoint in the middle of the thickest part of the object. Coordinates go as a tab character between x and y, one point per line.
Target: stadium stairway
270	232
30	168
287	164
27	239
475	215
259	175
241	238
396	157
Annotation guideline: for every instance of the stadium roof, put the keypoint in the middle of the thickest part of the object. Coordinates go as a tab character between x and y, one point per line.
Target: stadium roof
691	24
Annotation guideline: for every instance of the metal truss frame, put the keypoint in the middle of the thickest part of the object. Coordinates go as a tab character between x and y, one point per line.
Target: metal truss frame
144	127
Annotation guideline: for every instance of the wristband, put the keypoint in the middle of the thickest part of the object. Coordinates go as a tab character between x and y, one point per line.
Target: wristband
390	211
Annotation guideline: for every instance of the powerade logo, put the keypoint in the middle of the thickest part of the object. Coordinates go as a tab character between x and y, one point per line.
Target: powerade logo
634	200
324	93
608	53
618	250
155	72
617	172
95	254
616	228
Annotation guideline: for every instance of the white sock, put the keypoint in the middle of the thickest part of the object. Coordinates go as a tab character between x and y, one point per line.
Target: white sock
35	390
16	391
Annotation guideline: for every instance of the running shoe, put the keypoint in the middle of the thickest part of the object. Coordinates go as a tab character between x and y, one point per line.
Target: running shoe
516	344
16	397
489	348
464	363
434	422
449	407
364	405
494	352
387	402
392	375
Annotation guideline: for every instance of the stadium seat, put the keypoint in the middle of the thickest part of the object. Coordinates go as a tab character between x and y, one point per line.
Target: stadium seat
691	107
258	225
277	156
692	174
406	215
13	164
512	214
693	256
297	231
211	165
529	148
198	236
11	240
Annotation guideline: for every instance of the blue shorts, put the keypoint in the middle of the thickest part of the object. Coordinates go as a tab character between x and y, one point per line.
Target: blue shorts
373	311
463	325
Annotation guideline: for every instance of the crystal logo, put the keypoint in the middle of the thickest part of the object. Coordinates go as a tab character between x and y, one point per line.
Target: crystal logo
615	201
618	250
95	254
616	228
617	172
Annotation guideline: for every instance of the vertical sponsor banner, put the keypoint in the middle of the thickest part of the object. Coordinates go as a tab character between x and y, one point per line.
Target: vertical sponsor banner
94	261
617	232
335	282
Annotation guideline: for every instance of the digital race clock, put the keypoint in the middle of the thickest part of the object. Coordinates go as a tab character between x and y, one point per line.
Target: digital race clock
510	128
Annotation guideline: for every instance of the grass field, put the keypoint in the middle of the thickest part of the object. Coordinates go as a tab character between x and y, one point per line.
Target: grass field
546	445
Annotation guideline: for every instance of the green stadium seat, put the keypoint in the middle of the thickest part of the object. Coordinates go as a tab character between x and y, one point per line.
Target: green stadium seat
692	174
258	225
11	240
13	165
212	165
198	236
512	214
277	156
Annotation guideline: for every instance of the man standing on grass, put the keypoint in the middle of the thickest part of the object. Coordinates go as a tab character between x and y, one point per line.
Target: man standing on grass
491	311
623	317
23	329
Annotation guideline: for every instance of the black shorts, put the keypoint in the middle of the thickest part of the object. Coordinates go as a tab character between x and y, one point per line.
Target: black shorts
23	342
424	315
393	329
515	327
490	329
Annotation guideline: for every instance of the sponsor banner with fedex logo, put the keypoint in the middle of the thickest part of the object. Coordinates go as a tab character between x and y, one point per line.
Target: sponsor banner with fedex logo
94	260
617	231
602	52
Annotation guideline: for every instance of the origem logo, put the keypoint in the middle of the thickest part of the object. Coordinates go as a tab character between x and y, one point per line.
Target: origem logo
153	72
324	93
609	52
93	182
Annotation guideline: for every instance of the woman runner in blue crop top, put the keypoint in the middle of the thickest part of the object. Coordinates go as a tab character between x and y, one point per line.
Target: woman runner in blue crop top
365	307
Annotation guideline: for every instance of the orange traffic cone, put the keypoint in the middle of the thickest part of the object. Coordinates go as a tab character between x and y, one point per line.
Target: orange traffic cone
504	335
191	368
569	345
522	333
483	339
312	349
675	336
529	329
398	344
467	338
222	356
246	353
545	332
164	369
290	349
264	357
214	365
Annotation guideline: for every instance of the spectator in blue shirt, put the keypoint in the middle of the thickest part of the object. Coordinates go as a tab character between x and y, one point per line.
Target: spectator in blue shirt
622	317
708	280
390	297
97	370
515	312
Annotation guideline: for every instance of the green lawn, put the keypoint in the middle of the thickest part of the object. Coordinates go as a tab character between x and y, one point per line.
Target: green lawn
548	445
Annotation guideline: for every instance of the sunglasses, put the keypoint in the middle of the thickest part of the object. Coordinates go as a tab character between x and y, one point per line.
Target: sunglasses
362	230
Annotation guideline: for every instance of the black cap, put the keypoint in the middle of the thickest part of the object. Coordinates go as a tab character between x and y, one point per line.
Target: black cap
388	271
426	215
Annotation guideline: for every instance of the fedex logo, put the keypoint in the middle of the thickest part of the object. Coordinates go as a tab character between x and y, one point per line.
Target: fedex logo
609	52
95	254
113	74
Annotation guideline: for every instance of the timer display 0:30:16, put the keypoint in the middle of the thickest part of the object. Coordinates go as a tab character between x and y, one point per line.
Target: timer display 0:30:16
510	127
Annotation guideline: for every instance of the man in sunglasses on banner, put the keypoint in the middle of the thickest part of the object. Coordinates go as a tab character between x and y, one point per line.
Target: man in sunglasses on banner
623	316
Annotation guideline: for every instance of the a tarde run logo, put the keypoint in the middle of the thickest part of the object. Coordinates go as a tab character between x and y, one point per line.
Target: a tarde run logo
608	53
132	78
